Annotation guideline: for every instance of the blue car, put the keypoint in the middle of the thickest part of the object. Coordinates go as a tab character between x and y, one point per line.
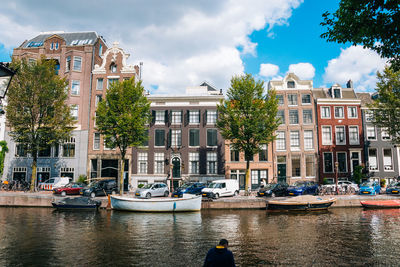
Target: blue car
189	188
370	188
393	189
302	188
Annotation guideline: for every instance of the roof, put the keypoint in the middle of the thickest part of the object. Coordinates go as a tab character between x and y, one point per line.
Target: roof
209	86
365	98
71	38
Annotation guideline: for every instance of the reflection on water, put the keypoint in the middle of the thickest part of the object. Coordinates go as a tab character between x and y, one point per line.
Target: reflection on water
43	237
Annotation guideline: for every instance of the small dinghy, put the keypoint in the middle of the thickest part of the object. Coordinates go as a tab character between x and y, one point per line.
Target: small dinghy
76	203
381	204
301	203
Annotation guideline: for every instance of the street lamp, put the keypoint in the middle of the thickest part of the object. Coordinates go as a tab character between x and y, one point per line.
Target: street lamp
336	180
6	75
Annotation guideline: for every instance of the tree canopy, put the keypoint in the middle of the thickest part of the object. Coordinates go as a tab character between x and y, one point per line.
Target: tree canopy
123	117
37	111
375	24
247	118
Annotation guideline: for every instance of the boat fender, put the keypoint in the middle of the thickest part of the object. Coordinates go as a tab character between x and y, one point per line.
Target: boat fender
174	206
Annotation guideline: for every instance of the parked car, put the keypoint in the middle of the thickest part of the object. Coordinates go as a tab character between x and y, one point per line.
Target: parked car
272	190
393	188
153	190
370	188
69	189
100	188
54	182
221	188
350	186
302	188
189	188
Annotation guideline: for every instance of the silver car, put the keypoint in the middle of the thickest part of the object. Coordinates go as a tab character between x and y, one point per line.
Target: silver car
152	190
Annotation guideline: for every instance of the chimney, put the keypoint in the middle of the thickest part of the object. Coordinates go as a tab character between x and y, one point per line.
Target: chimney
349	84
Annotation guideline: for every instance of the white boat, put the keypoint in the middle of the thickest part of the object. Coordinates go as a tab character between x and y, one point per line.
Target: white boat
186	203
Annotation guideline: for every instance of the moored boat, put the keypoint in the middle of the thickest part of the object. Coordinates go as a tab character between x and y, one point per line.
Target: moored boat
76	203
301	203
381	204
186	203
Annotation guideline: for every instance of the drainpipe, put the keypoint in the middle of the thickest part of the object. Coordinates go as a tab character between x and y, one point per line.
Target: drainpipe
90	104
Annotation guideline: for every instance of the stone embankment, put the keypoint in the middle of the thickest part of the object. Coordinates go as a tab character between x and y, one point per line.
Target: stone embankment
44	199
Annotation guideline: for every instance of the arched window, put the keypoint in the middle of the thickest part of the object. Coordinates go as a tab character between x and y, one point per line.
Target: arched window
290	84
113	68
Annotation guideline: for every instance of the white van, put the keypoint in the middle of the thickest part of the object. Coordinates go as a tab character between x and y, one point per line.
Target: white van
221	188
54	182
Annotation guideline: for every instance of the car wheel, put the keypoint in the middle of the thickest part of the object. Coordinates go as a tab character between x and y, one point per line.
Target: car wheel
63	193
113	192
216	196
273	194
93	194
148	195
166	193
236	193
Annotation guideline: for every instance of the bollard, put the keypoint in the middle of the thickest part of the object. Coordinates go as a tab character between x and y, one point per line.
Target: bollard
109	203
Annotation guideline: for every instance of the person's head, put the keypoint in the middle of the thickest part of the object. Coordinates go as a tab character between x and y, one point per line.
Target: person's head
223	242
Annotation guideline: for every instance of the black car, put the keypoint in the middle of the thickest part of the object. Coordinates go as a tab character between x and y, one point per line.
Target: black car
272	190
189	188
100	188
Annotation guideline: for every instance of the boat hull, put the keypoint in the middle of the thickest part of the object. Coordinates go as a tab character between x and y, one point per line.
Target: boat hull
381	204
301	205
192	203
74	207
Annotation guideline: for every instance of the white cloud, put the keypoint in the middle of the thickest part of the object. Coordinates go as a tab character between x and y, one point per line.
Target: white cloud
268	70
355	63
180	43
304	71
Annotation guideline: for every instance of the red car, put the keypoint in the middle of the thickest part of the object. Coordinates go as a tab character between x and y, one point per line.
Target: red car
69	189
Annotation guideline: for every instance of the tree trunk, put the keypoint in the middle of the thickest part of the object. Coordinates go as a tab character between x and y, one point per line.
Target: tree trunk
34	170
247	182
121	177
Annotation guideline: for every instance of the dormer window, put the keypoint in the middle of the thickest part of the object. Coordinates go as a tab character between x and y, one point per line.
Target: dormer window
113	68
337	93
291	84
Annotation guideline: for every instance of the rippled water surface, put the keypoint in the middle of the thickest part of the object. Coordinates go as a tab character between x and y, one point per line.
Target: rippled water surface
43	237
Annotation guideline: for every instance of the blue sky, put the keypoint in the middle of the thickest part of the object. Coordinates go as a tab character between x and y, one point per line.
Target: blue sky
183	43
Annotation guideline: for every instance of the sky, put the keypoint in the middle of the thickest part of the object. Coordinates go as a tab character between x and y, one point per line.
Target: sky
183	43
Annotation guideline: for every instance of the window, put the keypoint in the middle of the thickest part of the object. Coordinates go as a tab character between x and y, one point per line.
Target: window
337	93
176	138
257	176
291	84
158	163
326	135
159	137
373	159
176	117
263	153
234	154
113	68
160	117
96	141
294	140
385	134
75	87
340	135
342	160
296	166
371	133
99	84
308	139
21	150
353	135
142	162
146	141
56	46
194	137
339	112
293	116
51	46
99	98
211	162
307	116
387	159
69	148
369	116
211	116
194	163
352	112
74	112
111	81
194	116
292	100
325	112
310	166
280	141
306	99
100	50
68	64
44	151
328	162
212	137
280	100
281	116
77	63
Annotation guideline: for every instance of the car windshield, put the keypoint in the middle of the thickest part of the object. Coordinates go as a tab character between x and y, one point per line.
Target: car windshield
147	186
367	183
185	186
214	185
299	183
93	183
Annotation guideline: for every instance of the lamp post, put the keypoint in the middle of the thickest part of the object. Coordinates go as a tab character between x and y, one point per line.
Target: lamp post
336	174
6	75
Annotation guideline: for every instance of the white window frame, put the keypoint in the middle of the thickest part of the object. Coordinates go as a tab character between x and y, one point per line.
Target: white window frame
297	157
326	142
98	84
142	158
323	162
368	128
313	165
334	113
308	138
176	135
298	120
77	59
354	142
294	143
297	100
337	136
75	84
305	104
312	119
211	117
196	116
158	161
337	159
160	117
75	111
376	159
322	113
212	157
96	141
176	117
385	168
278	140
194	157
385	136
349	112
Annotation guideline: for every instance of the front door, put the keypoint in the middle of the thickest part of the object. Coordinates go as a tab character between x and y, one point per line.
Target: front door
242	181
282	173
109	168
176	170
355	160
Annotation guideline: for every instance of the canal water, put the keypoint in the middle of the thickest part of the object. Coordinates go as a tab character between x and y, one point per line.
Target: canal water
44	237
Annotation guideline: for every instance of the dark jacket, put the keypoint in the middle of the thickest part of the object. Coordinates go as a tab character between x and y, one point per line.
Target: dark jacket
219	256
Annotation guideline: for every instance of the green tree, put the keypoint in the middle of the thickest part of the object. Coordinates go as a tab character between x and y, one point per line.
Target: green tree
386	107
247	118
37	111
3	151
123	117
374	24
